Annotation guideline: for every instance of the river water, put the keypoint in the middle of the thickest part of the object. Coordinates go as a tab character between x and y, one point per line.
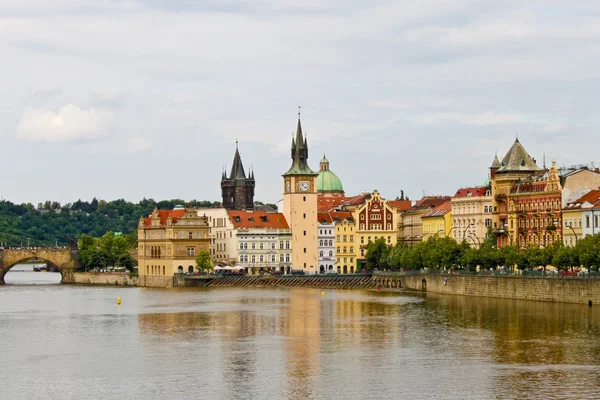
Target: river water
75	342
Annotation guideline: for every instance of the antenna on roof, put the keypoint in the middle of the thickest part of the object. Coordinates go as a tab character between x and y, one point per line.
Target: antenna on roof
299	112
544	160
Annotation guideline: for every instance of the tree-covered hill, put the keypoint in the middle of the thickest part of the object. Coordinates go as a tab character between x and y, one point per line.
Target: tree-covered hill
50	223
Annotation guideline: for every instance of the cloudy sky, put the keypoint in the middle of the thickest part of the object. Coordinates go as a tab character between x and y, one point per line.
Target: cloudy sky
132	99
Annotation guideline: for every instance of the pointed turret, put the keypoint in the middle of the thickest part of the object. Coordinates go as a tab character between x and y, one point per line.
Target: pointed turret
237	168
517	160
496	162
237	190
300	154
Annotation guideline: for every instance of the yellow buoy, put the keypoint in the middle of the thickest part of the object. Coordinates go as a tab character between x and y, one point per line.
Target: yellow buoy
322	293
119	300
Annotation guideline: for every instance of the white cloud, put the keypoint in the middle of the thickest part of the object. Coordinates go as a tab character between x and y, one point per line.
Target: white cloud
479	119
137	145
69	124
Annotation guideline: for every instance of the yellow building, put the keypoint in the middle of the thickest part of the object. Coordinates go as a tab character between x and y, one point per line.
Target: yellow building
410	229
300	206
345	241
375	219
577	219
438	221
169	241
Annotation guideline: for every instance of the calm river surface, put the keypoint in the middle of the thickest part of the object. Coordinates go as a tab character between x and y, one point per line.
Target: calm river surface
75	342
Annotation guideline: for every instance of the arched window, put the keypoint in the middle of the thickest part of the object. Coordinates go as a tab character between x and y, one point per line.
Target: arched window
253	258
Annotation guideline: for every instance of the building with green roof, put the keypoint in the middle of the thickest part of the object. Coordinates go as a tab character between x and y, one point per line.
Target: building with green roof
328	183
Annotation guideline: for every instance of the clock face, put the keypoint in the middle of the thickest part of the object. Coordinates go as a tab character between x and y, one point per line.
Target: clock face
303	186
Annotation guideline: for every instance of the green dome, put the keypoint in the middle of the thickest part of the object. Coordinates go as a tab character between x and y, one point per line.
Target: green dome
327	181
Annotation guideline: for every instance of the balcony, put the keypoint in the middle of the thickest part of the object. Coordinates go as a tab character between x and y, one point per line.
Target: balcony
500	197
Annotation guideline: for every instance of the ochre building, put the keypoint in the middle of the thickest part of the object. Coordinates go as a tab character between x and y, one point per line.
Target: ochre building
170	240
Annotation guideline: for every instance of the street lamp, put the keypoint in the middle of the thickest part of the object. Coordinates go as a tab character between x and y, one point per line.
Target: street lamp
574	233
473	235
505	225
465	231
450	231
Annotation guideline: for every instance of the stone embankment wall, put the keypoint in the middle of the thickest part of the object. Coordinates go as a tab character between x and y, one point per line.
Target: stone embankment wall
319	281
564	290
101	278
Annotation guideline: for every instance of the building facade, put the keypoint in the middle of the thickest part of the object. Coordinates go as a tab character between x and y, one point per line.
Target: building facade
170	240
375	219
410	229
345	242
300	206
534	209
516	165
237	189
258	241
471	215
326	243
437	221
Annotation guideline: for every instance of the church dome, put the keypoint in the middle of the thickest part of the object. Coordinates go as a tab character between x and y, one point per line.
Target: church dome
327	181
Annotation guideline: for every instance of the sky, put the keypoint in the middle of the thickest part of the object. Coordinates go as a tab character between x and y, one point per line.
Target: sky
145	99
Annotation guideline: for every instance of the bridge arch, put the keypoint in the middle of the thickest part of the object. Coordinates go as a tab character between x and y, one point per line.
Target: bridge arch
61	259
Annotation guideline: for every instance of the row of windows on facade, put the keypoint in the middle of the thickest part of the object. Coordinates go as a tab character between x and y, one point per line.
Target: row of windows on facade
376	227
535	223
261	246
339	260
182	235
156	269
573	222
539	206
460	223
469	210
538	241
374	216
244	258
362	239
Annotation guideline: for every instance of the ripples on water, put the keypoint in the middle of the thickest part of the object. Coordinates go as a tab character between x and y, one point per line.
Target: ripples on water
63	342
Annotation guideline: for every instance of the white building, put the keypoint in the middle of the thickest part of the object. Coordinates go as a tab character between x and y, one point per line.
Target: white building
256	240
326	237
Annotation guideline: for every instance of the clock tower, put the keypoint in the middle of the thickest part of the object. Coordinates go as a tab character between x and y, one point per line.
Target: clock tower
300	206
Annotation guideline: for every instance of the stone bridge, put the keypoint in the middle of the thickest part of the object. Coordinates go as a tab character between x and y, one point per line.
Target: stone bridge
63	259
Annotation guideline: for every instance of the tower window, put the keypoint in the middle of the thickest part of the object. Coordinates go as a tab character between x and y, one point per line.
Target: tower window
305	251
304	233
303	198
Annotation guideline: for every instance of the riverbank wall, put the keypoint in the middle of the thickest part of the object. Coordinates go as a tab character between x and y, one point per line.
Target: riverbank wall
563	290
315	281
101	278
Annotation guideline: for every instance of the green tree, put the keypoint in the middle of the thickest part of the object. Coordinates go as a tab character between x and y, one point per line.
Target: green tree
376	255
203	260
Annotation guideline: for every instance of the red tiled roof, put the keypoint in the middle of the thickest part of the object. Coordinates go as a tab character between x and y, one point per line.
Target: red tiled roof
400	205
325	204
474	191
439	211
341	215
257	219
430	202
163	215
323	218
333	216
592	197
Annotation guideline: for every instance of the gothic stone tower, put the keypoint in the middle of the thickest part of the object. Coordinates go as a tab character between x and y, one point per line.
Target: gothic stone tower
237	189
300	206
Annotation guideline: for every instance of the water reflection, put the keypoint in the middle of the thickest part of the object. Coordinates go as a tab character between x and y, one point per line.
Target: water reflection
242	343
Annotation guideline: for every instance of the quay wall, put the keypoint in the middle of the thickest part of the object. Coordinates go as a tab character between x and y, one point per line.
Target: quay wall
101	278
564	290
